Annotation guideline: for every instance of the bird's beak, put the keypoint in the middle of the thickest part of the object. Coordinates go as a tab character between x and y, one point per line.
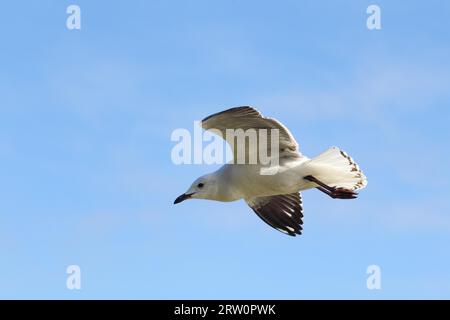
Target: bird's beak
183	197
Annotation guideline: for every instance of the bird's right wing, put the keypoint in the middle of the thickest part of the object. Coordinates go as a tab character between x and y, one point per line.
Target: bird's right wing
246	118
283	212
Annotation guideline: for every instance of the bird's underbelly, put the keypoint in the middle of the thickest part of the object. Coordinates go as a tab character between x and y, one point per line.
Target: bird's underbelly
285	181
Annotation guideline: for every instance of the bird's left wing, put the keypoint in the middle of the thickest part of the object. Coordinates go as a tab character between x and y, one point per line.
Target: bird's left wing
283	212
246	118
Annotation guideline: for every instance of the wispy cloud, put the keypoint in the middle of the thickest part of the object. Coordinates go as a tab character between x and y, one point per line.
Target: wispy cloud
369	93
426	215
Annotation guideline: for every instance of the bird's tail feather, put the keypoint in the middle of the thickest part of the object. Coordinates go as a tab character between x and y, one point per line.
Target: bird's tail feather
336	169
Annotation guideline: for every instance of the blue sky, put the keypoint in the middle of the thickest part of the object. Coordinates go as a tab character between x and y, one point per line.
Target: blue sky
86	176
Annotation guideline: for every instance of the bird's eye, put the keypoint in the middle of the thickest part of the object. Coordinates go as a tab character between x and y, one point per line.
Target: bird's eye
200	185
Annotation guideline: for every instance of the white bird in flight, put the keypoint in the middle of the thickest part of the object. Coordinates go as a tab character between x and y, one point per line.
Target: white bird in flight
275	198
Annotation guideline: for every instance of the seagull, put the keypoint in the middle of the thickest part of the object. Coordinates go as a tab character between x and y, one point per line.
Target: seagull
275	198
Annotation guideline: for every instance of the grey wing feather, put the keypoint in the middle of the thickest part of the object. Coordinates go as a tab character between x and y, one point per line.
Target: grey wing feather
249	118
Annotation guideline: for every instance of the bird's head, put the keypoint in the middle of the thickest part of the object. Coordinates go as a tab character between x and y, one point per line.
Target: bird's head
204	187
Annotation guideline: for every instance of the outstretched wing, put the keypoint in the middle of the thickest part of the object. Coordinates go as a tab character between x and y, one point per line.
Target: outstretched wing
246	118
283	212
